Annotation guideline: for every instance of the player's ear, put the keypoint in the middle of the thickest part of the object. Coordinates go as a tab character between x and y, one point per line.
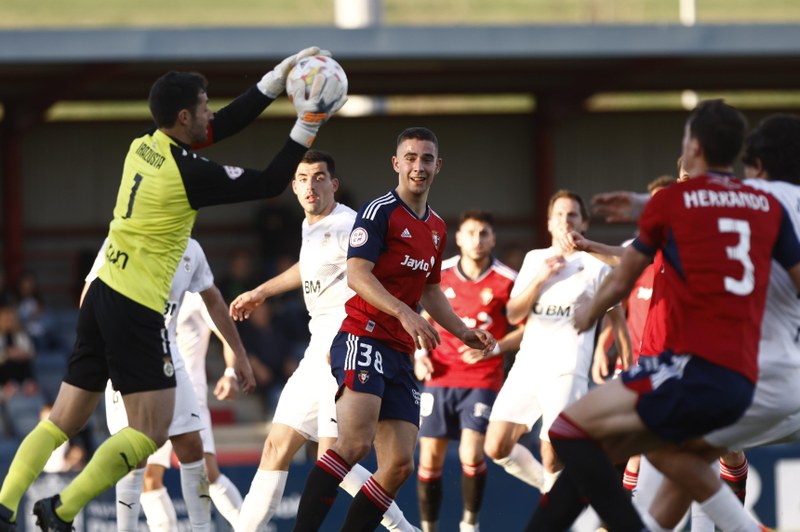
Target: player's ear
335	183
395	166
439	165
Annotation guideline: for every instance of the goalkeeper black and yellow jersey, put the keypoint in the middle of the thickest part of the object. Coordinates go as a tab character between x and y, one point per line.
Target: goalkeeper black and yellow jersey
164	183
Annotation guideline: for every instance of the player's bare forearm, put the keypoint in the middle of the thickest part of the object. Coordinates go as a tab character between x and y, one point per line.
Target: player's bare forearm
361	279
245	303
218	311
519	306
512	340
438	307
622	337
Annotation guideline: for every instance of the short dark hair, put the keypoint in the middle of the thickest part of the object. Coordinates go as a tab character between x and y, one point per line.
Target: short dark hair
478	215
776	143
173	92
571	195
319	156
720	130
418	133
661	181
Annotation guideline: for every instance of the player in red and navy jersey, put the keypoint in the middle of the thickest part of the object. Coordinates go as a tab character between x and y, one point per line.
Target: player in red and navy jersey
715	273
393	264
461	384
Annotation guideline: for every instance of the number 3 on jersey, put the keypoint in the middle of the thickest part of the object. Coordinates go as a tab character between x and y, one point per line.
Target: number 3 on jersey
367	355
739	253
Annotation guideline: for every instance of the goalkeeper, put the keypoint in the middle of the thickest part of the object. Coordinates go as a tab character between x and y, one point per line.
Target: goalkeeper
120	333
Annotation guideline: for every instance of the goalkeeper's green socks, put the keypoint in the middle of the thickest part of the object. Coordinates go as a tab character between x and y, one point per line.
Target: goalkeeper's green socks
114	459
32	455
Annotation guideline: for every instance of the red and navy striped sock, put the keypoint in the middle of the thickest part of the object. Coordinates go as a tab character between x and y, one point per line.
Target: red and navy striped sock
320	491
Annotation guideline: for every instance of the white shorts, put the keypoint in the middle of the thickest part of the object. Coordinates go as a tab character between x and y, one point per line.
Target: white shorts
523	399
187	416
307	402
773	417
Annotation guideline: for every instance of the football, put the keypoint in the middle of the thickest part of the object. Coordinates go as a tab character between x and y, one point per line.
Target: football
319	65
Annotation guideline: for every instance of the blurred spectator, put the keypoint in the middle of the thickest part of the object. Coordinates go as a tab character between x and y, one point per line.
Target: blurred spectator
30	307
277	225
290	313
5	294
269	352
16	355
240	276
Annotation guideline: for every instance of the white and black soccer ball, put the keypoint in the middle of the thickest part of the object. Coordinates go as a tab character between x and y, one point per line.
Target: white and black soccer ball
319	65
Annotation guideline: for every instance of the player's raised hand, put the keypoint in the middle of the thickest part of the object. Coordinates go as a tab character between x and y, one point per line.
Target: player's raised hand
274	81
325	97
621	206
244	304
551	266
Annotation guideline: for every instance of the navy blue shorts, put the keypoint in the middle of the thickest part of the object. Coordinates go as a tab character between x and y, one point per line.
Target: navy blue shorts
366	365
683	396
447	411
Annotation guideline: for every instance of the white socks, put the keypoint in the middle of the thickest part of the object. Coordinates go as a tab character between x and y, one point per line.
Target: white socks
128	490
728	513
262	500
522	464
194	484
159	511
393	519
226	498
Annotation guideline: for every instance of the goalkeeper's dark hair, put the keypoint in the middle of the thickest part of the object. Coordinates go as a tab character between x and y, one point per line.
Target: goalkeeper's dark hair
319	156
418	133
775	142
173	92
477	215
719	129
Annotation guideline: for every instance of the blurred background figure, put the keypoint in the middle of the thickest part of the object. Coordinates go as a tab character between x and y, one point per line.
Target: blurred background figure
269	352
16	355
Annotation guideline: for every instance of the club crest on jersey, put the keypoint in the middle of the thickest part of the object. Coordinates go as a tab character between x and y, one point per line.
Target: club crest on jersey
187	265
363	376
486	296
169	369
436	238
358	237
325	238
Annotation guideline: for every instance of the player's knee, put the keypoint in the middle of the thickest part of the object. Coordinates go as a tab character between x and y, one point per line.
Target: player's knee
401	469
496	448
275	455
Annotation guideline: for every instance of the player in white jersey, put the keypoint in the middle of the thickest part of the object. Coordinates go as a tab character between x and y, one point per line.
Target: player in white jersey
306	408
193	274
552	366
193	332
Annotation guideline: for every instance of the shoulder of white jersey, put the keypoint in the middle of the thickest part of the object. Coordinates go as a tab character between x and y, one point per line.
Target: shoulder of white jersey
592	261
506	271
452	262
344	210
370	210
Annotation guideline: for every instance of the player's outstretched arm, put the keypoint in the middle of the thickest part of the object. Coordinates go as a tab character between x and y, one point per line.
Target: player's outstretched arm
218	311
436	304
614	287
245	303
621	206
361	279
